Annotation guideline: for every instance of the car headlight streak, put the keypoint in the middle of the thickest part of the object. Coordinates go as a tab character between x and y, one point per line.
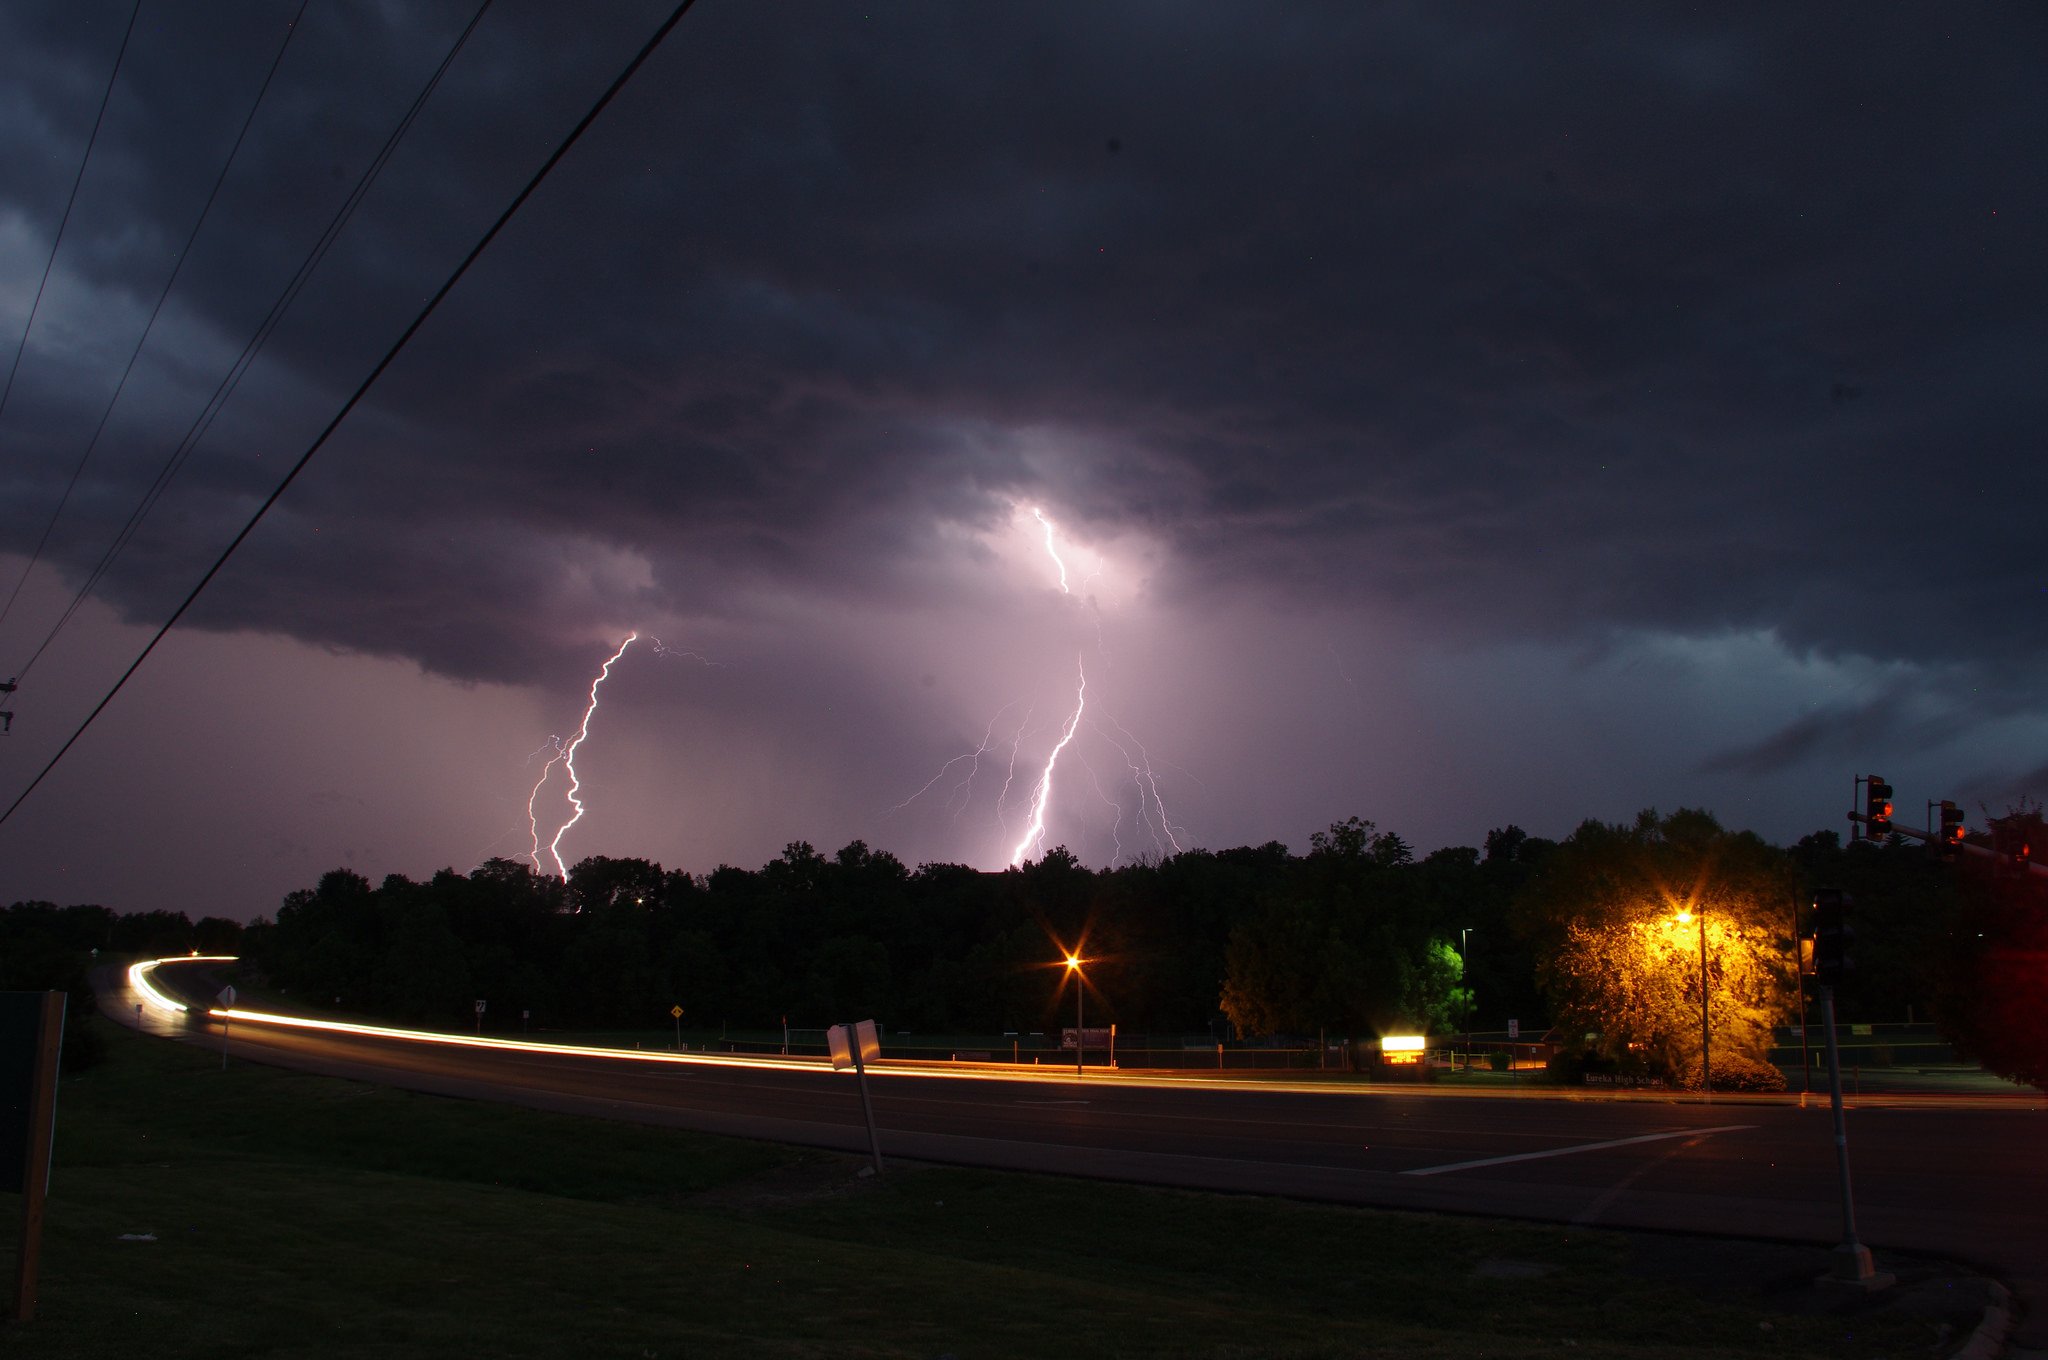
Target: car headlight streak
138	978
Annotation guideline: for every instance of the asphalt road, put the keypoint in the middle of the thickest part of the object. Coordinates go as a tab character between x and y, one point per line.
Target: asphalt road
1963	1178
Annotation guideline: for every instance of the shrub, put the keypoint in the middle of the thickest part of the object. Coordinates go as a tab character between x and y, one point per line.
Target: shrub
1568	1067
1735	1072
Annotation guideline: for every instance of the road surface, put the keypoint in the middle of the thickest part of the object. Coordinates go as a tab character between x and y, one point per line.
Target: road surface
1964	1177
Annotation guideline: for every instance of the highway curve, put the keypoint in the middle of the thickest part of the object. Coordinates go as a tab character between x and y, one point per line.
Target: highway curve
1961	1177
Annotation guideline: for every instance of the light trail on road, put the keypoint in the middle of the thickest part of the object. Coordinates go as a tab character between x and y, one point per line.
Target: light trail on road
1954	1175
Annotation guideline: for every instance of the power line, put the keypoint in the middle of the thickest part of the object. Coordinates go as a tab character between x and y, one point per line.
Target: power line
65	221
239	369
575	134
176	268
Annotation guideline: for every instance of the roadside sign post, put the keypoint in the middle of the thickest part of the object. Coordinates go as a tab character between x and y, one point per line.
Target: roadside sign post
852	1048
676	1012
227	1001
479	1017
31	1037
1514	1033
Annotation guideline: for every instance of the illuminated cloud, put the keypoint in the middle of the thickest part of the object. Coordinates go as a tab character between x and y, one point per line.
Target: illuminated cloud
1394	385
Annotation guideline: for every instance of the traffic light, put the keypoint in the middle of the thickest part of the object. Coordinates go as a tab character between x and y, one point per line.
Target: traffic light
1951	830
2009	838
1832	936
1877	808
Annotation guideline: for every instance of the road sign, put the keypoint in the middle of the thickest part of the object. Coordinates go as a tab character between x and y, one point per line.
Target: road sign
840	1039
676	1011
852	1046
479	1008
1514	1029
227	995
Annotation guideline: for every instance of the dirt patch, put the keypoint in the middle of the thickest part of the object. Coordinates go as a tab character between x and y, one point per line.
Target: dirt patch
1949	1297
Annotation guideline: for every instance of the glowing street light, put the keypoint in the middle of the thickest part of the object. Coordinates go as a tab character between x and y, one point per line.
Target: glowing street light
1685	917
1080	994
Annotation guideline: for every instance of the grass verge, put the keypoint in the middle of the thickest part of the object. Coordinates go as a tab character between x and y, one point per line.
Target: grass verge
256	1212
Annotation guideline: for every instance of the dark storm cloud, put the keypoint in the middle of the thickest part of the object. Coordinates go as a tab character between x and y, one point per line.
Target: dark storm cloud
1533	322
1896	717
1995	793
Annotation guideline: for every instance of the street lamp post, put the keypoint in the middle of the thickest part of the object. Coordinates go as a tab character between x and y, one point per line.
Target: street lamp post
1706	1040
1465	976
1080	994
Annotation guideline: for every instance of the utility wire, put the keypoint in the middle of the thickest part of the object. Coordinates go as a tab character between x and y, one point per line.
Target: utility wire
575	134
65	221
203	422
91	444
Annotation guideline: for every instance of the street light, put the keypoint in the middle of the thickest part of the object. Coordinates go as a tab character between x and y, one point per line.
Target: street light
1080	993
1706	1071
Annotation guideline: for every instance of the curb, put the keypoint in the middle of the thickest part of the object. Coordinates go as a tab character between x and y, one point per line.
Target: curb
1988	1341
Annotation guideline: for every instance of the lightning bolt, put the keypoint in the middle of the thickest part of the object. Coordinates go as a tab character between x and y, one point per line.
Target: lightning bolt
1116	828
1010	772
1149	817
1146	781
682	654
1051	549
1041	792
566	758
966	786
532	814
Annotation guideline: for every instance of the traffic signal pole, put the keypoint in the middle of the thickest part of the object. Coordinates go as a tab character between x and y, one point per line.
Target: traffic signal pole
1966	847
1876	822
1852	1258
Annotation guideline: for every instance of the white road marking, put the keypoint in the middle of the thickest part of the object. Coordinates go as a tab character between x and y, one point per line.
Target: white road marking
1577	1147
1614	1192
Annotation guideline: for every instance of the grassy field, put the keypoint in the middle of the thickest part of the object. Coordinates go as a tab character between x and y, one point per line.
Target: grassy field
263	1213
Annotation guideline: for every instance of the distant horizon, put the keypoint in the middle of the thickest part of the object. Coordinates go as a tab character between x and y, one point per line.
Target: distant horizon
374	878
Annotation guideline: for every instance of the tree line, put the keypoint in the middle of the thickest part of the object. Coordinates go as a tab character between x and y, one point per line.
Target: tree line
1171	947
1605	937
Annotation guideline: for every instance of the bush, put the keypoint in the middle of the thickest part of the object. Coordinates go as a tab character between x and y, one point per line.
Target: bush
1497	1062
1565	1068
1735	1072
1568	1067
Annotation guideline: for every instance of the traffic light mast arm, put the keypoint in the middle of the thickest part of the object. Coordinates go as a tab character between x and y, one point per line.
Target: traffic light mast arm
1981	851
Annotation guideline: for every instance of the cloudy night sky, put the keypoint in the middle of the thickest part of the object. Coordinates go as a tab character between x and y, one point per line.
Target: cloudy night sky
1450	415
